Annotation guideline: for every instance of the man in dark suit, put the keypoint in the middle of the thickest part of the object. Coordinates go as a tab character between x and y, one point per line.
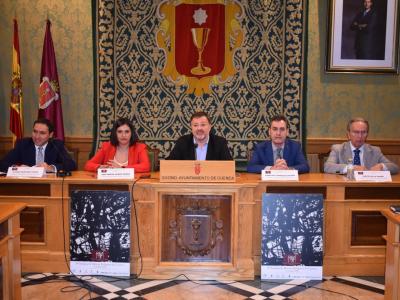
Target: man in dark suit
200	144
40	150
366	26
356	151
279	153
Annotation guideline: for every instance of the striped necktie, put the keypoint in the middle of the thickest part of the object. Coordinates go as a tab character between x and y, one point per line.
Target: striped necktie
39	156
279	153
356	159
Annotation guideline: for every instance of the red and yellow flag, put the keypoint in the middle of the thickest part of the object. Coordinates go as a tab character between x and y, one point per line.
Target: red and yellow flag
16	122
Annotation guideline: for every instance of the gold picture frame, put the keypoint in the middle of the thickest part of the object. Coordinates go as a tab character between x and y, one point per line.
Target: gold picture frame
363	37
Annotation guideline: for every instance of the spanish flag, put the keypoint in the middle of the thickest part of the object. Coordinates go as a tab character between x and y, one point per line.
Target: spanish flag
16	123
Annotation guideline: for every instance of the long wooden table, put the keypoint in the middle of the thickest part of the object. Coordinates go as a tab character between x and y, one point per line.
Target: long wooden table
10	261
353	225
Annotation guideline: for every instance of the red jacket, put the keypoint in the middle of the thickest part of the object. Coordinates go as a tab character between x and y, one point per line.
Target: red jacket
138	157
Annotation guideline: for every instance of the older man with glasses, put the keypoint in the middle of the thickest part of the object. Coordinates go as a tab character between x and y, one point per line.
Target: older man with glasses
363	156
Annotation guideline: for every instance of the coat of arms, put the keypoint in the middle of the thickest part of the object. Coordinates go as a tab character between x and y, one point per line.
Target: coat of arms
199	39
196	230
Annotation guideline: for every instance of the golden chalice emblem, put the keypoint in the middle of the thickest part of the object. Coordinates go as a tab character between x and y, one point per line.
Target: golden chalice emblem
200	38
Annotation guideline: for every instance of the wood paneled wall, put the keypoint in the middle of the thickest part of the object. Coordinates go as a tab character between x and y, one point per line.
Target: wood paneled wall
316	148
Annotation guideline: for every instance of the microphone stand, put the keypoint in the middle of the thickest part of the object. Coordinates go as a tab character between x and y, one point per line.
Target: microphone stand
62	172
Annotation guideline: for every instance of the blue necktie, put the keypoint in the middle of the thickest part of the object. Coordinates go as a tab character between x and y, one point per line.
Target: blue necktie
279	153
39	156
356	159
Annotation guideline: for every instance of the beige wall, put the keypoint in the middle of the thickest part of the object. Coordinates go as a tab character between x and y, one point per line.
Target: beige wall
334	98
72	37
331	98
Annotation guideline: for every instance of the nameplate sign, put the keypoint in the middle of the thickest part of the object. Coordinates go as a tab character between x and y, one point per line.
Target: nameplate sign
115	173
197	171
374	176
26	172
275	175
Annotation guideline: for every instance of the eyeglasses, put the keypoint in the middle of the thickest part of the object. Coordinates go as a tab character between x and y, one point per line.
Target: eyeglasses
362	133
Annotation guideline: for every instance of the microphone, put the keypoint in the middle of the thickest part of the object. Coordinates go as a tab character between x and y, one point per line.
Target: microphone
195	151
60	172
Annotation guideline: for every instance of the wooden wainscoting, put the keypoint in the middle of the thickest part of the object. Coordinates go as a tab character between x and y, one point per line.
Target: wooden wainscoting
317	148
82	146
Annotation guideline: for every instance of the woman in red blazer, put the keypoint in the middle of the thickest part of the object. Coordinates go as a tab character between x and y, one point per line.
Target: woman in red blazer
122	151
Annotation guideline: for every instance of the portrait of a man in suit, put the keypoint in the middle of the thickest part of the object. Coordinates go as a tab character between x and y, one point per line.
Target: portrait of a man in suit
364	29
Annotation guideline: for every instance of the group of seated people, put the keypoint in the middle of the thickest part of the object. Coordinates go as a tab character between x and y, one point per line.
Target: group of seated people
124	151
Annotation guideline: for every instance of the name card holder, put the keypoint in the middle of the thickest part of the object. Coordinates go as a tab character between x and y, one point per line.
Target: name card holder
197	171
26	172
373	176
116	173
280	175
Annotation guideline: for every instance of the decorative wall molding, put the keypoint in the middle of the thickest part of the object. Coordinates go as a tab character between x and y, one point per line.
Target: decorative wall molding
323	145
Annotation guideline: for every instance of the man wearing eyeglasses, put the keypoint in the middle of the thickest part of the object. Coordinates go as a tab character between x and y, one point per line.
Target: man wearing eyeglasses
362	155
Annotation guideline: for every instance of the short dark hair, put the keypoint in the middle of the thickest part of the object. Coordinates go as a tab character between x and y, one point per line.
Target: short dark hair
199	114
279	118
358	119
118	123
46	122
371	1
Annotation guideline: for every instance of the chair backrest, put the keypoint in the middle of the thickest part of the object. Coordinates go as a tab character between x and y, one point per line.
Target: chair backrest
154	159
314	162
323	157
74	153
249	154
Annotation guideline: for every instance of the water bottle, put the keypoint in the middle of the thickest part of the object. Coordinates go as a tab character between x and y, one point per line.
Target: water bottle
350	169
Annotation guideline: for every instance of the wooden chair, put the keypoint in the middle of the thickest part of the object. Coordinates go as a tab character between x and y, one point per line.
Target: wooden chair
74	153
154	159
322	157
249	154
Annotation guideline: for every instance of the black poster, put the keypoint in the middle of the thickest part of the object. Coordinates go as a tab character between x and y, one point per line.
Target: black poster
100	233
292	240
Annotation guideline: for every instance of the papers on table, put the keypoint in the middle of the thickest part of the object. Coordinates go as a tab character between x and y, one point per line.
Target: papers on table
274	175
116	173
374	176
26	172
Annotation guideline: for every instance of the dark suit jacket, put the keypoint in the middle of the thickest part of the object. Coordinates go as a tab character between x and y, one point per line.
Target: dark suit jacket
184	149
263	156
24	153
367	42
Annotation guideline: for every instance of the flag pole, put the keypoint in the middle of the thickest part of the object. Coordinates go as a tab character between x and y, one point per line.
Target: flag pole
49	88
16	123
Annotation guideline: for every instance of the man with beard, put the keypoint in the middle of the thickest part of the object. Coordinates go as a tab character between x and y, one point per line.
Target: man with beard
200	144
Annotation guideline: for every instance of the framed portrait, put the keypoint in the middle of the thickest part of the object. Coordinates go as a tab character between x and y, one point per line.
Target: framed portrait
363	36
